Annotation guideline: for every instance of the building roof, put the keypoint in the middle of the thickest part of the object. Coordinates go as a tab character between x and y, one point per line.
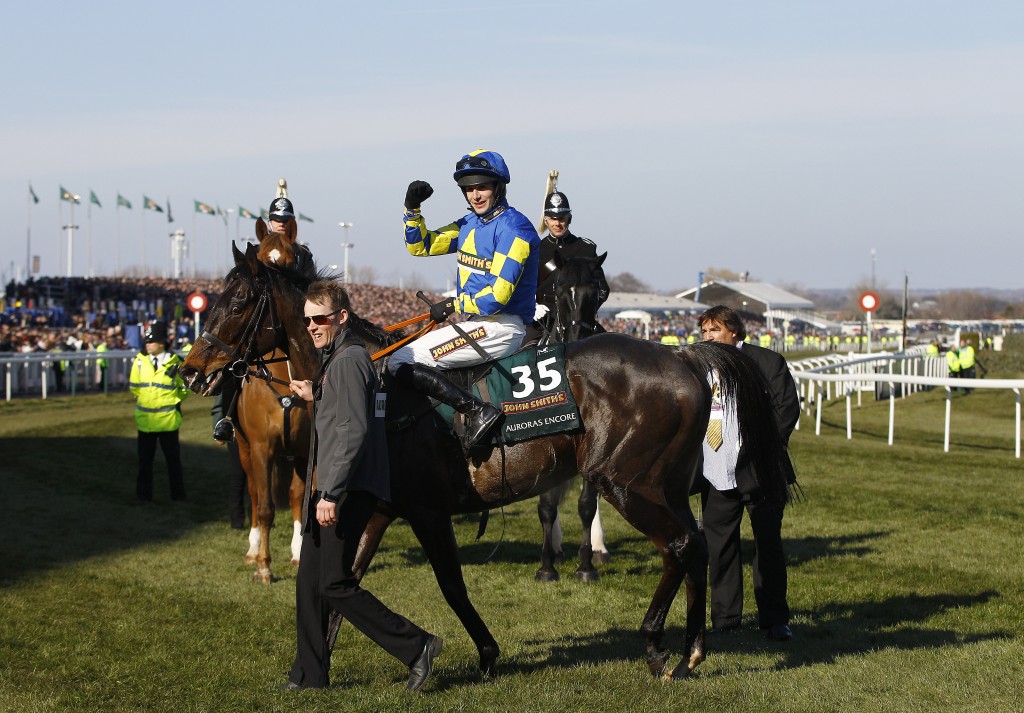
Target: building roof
758	297
649	301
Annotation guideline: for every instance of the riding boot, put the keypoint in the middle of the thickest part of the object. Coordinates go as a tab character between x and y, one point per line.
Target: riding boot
480	416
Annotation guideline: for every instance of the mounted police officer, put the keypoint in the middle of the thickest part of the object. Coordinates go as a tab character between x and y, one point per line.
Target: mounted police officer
158	392
560	240
497	250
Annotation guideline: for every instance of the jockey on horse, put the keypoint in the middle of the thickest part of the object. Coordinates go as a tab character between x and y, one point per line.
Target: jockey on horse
498	252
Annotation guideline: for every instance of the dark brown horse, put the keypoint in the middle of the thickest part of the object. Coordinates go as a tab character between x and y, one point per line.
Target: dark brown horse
644	408
577	298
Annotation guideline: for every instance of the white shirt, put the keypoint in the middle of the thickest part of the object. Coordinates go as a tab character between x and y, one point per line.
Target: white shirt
720	465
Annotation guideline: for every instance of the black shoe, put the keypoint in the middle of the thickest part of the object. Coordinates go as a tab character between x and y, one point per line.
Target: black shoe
423	666
780	632
480	420
224	431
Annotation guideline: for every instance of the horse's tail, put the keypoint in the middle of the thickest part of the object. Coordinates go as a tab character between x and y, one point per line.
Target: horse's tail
741	382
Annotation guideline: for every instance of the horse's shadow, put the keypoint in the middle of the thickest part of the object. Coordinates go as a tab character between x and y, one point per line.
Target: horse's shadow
821	636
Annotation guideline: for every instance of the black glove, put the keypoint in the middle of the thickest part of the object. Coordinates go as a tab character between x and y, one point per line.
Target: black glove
440	311
172	371
418	192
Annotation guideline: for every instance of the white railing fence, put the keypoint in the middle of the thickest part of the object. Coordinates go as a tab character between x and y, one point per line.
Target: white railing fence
33	373
912	370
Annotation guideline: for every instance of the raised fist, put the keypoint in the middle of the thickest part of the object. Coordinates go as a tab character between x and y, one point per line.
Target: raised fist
418	192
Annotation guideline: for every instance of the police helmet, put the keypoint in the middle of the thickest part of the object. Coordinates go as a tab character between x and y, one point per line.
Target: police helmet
156	332
481	166
281	210
557	205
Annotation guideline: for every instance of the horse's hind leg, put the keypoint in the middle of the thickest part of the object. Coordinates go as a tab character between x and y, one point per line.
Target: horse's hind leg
435	533
601	554
684	558
547	511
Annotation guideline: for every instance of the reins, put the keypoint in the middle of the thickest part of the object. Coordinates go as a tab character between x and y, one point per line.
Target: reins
429	326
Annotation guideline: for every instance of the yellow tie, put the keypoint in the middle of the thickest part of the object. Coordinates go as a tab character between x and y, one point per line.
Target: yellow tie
714	435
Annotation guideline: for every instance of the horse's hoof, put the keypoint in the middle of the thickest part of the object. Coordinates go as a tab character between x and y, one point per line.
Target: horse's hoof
658	663
600	557
489	662
587	575
546	575
262	576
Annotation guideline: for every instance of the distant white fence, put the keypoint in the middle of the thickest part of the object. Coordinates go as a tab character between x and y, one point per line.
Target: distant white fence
912	370
32	373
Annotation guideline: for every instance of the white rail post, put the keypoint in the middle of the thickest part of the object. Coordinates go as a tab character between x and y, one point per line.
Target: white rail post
892	407
949	406
817	408
849	414
1016	396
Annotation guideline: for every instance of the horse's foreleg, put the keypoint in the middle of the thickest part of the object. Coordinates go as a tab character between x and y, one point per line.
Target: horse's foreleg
435	533
587	508
265	519
547	511
296	491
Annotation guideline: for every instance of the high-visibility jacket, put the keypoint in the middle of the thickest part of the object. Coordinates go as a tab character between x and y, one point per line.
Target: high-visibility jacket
966	357
157	394
102	348
933	350
953	361
670	340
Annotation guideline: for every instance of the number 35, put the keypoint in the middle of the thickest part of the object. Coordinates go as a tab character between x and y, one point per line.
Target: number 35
549	378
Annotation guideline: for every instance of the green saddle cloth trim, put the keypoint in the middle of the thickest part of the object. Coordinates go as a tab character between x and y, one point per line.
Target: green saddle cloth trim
531	389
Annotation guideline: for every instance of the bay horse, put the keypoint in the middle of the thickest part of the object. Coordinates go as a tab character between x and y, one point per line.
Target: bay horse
274	427
576	291
644	410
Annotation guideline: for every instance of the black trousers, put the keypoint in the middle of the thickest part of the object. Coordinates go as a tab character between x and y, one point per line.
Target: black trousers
325	581
722	513
169	444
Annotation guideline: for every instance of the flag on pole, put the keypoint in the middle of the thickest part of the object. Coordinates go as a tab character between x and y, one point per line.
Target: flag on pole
204	208
35	198
243	213
222	213
264	214
93	199
121	200
150	204
305	217
66	195
169	218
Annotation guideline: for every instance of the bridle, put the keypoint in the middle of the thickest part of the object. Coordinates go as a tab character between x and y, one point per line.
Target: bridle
576	319
246	359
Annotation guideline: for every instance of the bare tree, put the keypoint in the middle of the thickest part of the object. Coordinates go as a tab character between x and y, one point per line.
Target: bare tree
627	282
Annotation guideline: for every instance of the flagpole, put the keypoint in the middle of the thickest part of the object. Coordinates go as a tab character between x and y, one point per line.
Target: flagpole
28	238
143	214
60	239
193	240
117	258
88	232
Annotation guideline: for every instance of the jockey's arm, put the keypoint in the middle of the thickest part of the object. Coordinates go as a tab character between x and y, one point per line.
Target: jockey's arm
421	242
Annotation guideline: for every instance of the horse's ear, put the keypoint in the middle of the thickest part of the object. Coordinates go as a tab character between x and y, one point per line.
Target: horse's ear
291	231
238	255
600	259
559	260
252	258
261	229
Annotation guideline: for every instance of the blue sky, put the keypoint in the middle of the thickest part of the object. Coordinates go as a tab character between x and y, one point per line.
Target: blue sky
787	139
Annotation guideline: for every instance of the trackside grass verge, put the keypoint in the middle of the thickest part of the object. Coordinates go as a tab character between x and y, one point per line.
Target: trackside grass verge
906	585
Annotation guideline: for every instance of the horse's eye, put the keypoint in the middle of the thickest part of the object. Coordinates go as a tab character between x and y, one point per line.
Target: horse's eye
236	309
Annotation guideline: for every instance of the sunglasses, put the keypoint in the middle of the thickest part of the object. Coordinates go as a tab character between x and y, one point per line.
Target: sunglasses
321	320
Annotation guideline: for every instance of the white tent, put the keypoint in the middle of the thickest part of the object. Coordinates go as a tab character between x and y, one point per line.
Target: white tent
644	317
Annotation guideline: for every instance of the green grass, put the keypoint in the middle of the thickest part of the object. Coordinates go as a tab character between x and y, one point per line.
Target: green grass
905	583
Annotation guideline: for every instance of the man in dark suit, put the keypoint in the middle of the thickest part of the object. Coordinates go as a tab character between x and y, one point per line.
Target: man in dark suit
728	487
349	452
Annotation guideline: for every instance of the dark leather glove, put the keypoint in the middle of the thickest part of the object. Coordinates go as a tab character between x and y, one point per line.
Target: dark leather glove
224	431
418	192
440	311
172	371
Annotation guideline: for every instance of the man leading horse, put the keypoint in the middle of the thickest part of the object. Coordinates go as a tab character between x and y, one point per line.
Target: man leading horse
498	251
